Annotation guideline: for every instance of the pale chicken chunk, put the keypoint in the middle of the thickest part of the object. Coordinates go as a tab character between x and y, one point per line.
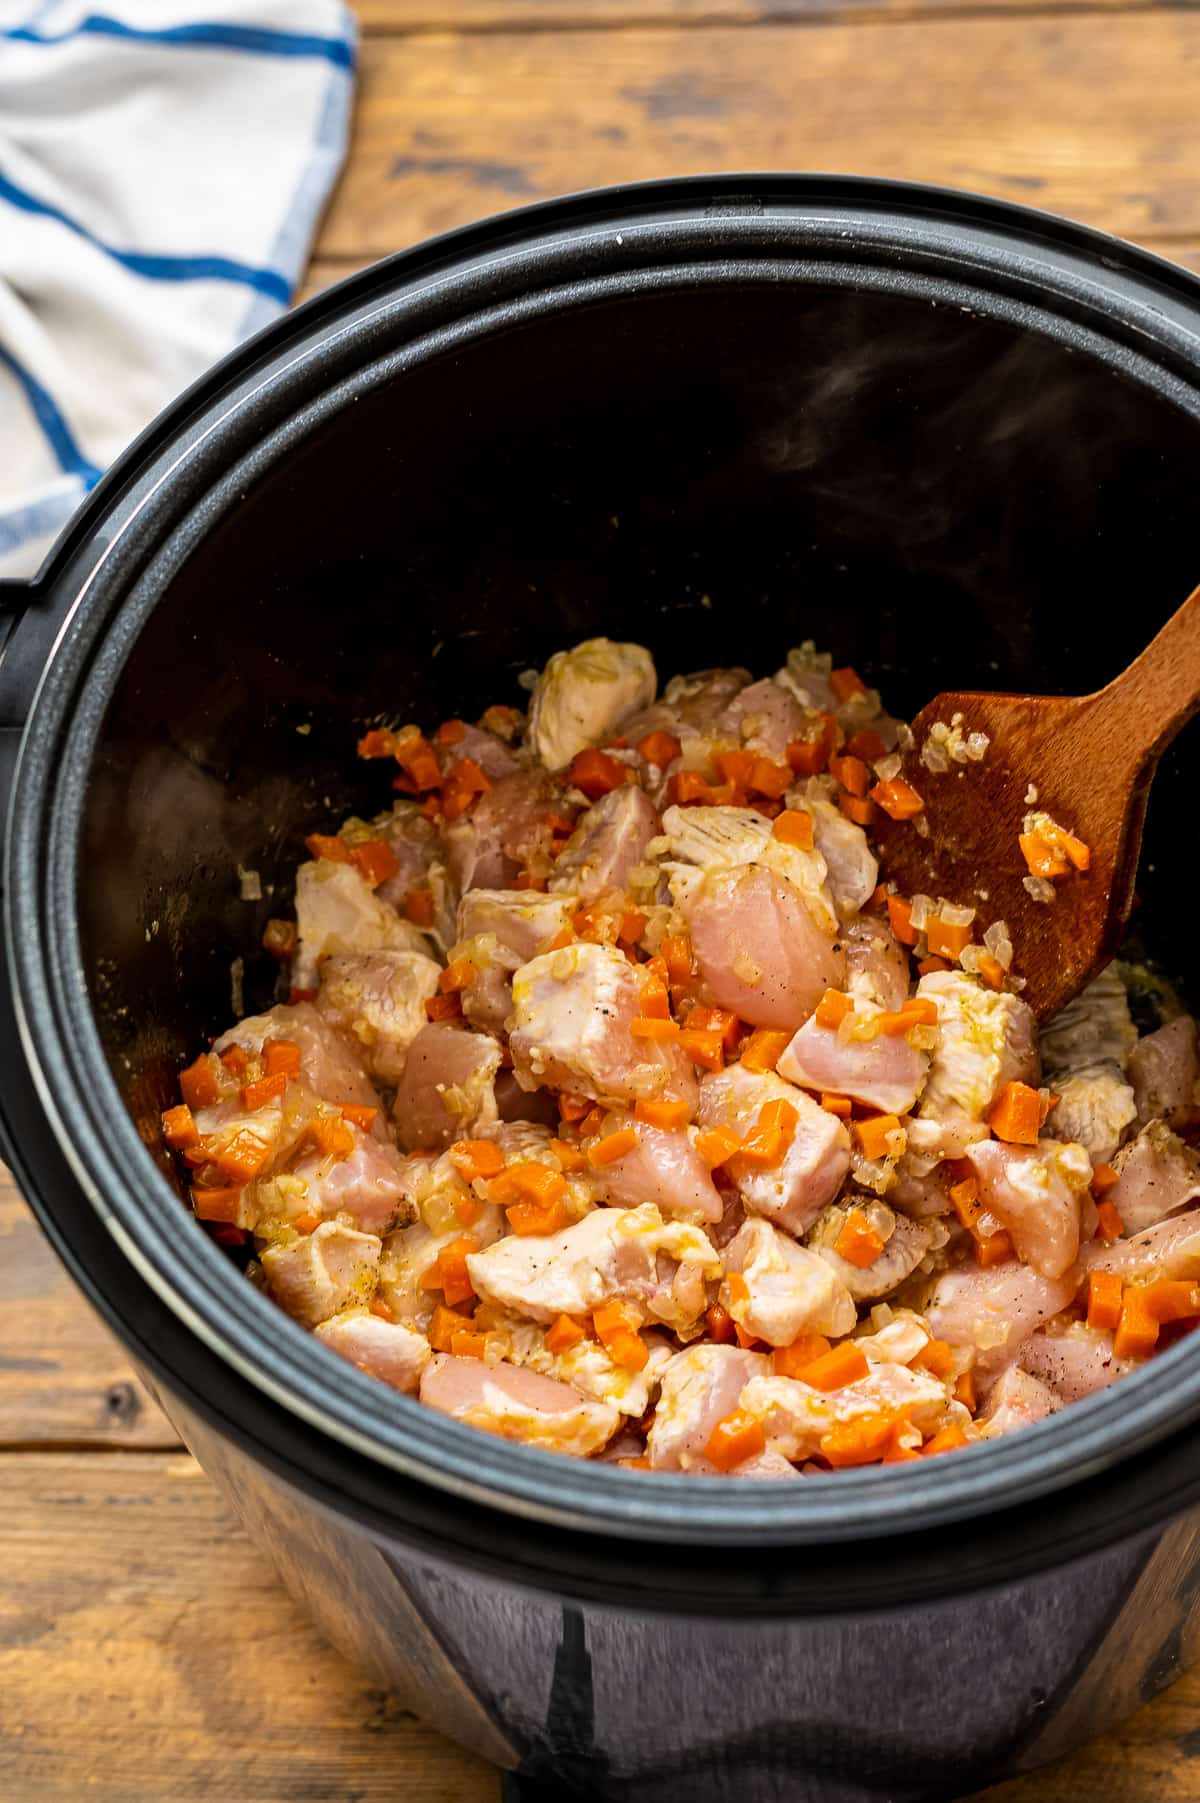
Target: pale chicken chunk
447	1089
1157	1175
487	749
1094	1108
368	1186
630	1255
1165	1072
688	707
327	1064
812	1168
663	1168
784	1289
414	842
905	1244
376	1000
885	1072
758	949
699	841
518	1405
586	1365
608	844
324	1271
583	694
852	866
985	1040
1170	1248
499	930
699	1388
1037	1192
1084	1049
1017	1400
573	1013
490	846
410	1255
383	1349
338	911
764	716
1075	1360
994	1310
876	963
795	1417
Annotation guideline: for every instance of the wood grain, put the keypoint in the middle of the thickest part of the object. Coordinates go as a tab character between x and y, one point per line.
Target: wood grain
404	17
1073	114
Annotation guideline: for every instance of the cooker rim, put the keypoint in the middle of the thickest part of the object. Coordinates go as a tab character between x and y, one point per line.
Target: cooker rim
58	1033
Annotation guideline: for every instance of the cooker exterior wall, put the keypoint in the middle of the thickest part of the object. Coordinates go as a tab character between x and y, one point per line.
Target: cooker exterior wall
622	1704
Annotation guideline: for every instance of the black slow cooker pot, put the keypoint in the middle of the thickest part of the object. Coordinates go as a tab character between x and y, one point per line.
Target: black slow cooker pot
954	441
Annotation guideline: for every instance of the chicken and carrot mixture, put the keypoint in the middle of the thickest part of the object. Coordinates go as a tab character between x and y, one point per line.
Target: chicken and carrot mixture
617	1106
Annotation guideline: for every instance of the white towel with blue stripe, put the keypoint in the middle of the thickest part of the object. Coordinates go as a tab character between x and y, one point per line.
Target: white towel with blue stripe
163	166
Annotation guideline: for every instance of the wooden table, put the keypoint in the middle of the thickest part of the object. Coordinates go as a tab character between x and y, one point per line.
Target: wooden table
144	1653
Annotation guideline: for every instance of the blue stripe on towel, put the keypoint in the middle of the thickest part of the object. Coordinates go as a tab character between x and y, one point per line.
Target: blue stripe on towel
258	40
38	519
156	268
55	429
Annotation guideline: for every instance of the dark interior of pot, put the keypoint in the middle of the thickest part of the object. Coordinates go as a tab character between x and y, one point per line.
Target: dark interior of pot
938	498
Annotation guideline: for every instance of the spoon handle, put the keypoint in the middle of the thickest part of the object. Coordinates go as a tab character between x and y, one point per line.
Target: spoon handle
1145	706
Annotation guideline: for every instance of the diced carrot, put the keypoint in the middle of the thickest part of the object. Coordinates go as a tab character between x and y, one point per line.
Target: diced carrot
1042	858
454	1278
375	861
917	1011
719	1323
764	1048
654	1002
991	970
845	682
330	846
300	995
431	807
1171	1299
281	1057
964	1390
421	768
937	1356
458	975
443	1007
463	786
529	879
717	1145
1137	1330
616	1328
591	1123
660	1030
769	778
858	1241
379	743
561	825
1105	1291
900	919
235	1058
737	767
927	966
332	1135
1104	1178
467	1208
780	1115
537	1218
866	744
834	1104
901	1448
656	967
677	952
468	1345
528	1181
612	1147
687	788
661	748
857	1442
179	1127
807	757
560	941
872	1134
851	773
450	732
667	1112
735	1439
739	1289
992	1249
794	1360
572	1108
198	1083
418	906
949	1440
843	1364
570	1158
633	925
257	1095
833	1008
474	1158
763	1148
945	938
359	1114
1016	1115
564	1334
279	938
705	1049
380	1308
443	1327
218	1204
898	799
965	1198
241	1157
1109	1224
716	1020
596	773
794	827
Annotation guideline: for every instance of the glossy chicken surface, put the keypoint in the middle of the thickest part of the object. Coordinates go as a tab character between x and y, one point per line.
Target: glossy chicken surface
617	1107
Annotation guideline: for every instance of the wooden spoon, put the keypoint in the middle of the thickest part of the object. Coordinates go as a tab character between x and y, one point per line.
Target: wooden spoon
1088	760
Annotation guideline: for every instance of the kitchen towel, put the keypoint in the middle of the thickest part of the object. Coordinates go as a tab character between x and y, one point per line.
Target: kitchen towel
163	166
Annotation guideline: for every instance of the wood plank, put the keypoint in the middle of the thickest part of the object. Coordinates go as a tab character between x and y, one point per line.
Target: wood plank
147	1652
1069	113
403	17
64	1379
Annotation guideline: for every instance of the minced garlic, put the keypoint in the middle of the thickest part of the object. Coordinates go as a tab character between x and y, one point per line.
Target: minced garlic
946	745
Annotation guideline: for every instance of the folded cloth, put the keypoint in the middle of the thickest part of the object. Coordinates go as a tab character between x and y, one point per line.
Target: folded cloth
163	166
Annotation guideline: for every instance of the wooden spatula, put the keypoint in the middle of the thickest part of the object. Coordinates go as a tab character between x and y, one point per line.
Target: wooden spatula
1089	759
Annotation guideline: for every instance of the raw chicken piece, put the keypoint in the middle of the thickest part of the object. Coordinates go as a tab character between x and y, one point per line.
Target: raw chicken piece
1159	1174
994	1310
898	1342
710	841
689	706
765	1464
1171	1248
383	1349
338	911
518	1405
811	1170
985	1040
521	919
785	1290
513	1103
664	1168
876	963
794	1416
327	1065
905	1245
583	694
489	847
885	1072
376	1000
1164	1071
699	1388
758	949
415	844
1084	1049
573	1012
852	866
764	716
410	1254
608	844
263	1137
446	1092
1036	1191
1093	1109
586	1365
630	1255
484	748
1074	1361
1017	1400
316	1276
368	1186
922	1193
